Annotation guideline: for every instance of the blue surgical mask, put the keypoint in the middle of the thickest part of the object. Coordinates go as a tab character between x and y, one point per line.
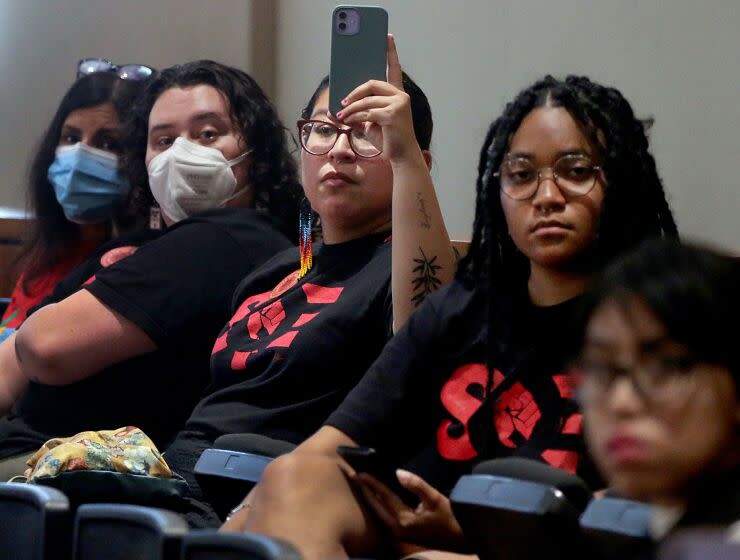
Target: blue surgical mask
87	183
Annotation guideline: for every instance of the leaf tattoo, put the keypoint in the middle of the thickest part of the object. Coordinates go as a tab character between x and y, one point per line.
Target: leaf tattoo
426	280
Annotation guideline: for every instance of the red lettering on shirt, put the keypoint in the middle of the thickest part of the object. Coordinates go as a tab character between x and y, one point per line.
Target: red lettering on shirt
239	360
565	385
319	294
220	343
515	411
246	307
516	415
268	317
283	341
262	323
119	253
566	460
461	405
304	318
111	258
573	424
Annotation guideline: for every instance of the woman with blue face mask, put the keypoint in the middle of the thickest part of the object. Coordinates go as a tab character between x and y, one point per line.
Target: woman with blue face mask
76	192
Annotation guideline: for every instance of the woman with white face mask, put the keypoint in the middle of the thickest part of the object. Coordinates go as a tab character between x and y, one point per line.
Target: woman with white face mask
75	190
210	146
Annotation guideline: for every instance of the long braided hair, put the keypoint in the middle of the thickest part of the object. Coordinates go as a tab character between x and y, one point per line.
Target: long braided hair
634	207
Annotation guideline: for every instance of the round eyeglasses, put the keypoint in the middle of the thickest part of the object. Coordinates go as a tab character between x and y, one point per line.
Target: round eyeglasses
319	137
134	72
574	174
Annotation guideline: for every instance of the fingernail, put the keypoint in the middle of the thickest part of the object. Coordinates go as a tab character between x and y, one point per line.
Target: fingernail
339	115
400	473
344	101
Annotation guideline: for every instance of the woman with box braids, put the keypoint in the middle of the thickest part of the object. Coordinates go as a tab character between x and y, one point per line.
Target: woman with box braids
608	120
565	184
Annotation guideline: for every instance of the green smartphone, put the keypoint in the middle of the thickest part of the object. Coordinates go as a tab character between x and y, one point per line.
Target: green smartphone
359	45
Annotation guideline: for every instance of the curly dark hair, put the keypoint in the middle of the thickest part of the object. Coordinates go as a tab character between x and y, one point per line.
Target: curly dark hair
634	207
272	172
53	238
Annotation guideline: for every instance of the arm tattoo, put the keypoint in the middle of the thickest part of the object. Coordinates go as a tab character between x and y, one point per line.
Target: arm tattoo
425	281
425	220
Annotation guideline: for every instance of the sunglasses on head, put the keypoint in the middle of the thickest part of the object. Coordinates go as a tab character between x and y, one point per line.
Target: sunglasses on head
136	72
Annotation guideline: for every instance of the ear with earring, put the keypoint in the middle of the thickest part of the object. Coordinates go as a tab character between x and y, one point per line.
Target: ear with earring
305	241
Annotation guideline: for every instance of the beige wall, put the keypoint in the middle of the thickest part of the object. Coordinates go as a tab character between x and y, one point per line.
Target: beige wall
676	60
42	40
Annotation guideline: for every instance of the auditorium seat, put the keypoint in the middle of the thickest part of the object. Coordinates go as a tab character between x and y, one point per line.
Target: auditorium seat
35	523
212	545
230	470
615	528
520	508
125	532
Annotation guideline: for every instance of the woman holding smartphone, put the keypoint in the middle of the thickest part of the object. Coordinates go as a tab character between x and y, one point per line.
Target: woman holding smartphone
308	324
478	372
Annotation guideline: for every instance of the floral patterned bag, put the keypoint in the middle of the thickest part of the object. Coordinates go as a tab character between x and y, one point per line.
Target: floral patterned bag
120	465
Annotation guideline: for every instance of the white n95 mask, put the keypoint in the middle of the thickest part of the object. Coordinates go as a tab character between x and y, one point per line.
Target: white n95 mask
188	178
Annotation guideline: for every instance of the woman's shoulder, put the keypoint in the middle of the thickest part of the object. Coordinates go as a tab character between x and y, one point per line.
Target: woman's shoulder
234	219
242	231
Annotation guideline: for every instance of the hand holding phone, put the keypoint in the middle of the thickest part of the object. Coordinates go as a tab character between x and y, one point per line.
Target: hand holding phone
358	50
368	460
425	517
384	110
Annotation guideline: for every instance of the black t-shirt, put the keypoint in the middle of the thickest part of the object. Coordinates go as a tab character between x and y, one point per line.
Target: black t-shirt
178	290
106	255
422	402
288	357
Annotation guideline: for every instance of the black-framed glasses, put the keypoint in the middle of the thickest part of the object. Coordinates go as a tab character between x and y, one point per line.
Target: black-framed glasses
319	137
574	174
135	72
657	380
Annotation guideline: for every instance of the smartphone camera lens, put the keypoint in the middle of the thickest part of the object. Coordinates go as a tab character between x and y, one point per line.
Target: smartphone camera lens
342	25
342	15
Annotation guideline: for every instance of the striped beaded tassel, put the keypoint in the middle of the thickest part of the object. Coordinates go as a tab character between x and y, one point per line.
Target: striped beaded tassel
305	243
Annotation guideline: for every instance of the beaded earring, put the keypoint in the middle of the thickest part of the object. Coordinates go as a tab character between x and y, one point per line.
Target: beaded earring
305	242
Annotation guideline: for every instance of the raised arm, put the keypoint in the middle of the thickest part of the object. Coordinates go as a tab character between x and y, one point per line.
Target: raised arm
68	341
423	258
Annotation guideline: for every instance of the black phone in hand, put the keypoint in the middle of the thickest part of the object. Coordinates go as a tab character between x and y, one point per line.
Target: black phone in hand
368	460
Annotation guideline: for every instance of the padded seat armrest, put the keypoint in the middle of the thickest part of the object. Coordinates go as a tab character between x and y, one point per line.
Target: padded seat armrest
212	545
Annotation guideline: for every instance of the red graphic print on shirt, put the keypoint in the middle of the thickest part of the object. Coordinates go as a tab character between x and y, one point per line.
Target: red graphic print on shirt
516	415
515	411
261	321
112	257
